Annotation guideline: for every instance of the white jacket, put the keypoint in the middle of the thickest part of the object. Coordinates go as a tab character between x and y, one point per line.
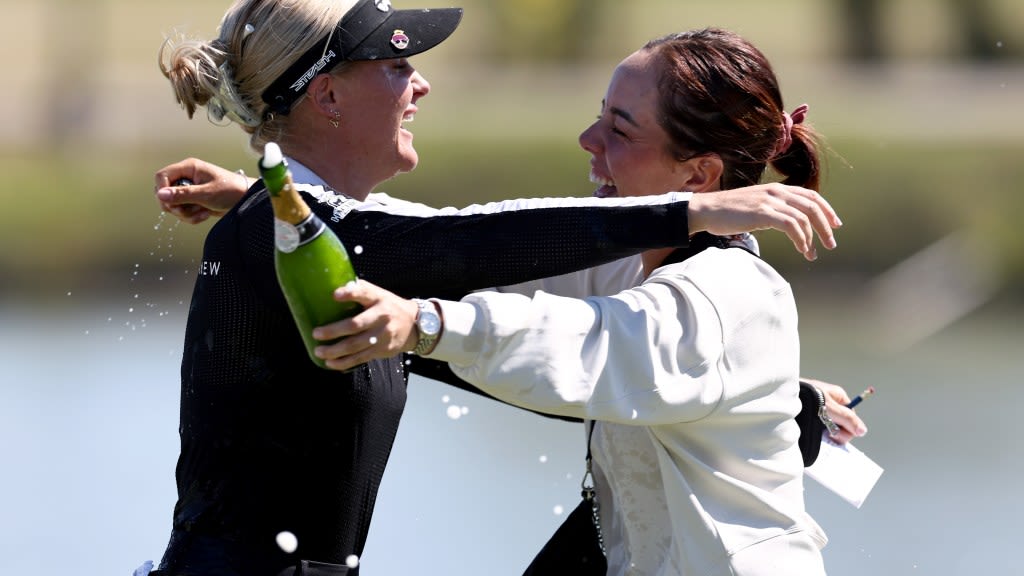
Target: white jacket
693	378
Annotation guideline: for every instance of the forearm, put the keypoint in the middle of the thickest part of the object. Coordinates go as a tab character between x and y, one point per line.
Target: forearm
449	256
602	358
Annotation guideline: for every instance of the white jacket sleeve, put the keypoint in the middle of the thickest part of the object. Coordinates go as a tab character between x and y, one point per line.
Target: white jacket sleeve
644	356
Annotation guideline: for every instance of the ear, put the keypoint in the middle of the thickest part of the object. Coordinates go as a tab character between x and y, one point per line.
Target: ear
322	95
703	173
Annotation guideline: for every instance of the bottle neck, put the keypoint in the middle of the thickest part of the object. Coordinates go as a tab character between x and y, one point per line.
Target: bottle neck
309	229
288	204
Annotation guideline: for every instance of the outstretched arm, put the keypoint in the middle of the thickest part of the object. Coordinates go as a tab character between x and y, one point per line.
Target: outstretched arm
386	327
797	212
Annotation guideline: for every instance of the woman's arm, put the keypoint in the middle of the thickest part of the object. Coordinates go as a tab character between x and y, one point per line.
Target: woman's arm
554	354
212	192
628	358
386	327
449	256
795	211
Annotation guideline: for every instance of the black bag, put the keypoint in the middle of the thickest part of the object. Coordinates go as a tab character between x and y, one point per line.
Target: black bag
576	548
813	420
573	549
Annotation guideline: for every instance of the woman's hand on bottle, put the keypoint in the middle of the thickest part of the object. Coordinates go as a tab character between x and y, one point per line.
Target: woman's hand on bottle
836	399
385	327
210	190
798	212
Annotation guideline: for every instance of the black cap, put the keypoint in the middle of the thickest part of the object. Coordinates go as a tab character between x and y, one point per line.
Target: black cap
370	30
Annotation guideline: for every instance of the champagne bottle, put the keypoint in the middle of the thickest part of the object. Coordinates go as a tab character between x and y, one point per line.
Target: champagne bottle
310	260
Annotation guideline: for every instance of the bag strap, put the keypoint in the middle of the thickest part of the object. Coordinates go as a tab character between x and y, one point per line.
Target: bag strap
588	492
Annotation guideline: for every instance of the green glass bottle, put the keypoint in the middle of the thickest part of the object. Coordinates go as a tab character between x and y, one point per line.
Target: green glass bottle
310	260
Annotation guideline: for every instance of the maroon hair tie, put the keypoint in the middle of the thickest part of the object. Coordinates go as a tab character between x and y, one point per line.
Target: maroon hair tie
789	120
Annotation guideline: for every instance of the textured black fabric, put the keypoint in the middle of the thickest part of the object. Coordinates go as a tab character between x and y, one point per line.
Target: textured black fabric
269	441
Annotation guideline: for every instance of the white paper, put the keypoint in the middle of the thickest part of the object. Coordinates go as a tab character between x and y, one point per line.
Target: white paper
845	470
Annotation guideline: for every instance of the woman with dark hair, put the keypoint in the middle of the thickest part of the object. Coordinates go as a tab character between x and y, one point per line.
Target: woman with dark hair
689	382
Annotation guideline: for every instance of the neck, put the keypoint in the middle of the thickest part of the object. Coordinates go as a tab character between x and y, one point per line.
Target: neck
318	152
339	176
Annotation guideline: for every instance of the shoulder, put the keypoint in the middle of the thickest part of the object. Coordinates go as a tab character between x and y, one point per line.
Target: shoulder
733	280
718	266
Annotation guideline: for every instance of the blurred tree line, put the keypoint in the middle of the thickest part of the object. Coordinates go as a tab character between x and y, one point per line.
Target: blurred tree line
563	31
976	24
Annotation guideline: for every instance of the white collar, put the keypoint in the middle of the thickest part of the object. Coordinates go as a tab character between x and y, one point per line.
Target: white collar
303	175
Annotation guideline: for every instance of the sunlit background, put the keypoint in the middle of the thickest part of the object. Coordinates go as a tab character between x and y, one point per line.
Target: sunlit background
921	102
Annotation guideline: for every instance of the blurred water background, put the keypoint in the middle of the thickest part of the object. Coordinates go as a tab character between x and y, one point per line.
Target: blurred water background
921	105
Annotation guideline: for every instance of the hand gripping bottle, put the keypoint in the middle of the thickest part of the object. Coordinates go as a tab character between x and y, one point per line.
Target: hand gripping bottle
310	260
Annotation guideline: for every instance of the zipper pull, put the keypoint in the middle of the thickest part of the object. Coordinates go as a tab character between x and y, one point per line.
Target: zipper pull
833	428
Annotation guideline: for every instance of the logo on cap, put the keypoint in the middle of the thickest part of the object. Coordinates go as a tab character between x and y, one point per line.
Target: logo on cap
399	40
382	5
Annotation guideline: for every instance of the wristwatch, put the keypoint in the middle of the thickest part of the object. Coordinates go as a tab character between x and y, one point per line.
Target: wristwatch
428	324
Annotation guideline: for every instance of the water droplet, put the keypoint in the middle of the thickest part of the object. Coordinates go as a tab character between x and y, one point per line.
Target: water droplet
465	410
352	561
999	44
69	293
445	399
543	458
454	413
558	510
358	249
287	541
373	340
131	310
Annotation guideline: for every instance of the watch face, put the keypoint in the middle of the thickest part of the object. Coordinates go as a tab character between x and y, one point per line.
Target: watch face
429	322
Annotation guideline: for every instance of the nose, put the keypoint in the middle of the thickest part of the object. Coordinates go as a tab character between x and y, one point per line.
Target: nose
420	86
589	140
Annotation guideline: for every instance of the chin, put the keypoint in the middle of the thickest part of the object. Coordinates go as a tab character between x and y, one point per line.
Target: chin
408	161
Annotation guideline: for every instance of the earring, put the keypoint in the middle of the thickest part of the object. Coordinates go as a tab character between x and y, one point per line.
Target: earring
337	117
